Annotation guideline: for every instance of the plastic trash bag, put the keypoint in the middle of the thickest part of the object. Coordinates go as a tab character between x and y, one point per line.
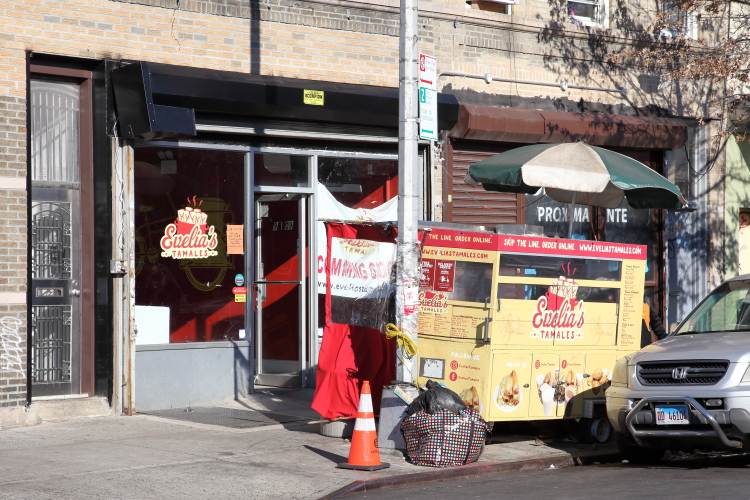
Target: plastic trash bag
435	399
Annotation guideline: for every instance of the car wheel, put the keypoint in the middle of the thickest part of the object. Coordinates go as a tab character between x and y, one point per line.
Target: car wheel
636	454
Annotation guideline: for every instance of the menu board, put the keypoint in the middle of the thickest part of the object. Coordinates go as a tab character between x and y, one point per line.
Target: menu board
426	322
631	312
442	325
465	327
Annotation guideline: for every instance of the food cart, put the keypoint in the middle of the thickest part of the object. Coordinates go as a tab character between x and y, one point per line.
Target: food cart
526	327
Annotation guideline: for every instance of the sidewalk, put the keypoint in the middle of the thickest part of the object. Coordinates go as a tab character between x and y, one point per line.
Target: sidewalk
152	457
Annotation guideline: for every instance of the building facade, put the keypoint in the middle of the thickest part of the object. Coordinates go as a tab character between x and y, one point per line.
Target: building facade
127	124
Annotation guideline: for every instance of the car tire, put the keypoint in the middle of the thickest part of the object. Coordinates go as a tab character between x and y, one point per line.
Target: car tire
594	430
636	454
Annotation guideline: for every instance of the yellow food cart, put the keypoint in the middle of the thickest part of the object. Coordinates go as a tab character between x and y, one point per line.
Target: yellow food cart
526	327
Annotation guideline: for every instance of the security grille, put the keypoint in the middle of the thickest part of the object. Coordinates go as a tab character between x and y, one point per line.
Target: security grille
50	235
696	372
51	324
51	337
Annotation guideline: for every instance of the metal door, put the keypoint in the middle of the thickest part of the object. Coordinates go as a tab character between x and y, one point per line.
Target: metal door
55	292
280	288
55	235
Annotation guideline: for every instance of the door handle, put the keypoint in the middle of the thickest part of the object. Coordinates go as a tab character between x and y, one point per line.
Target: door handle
75	292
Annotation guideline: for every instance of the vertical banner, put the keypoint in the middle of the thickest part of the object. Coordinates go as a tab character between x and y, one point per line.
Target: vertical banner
358	283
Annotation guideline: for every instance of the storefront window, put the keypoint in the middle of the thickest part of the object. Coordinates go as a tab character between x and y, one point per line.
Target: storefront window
187	201
359	183
272	169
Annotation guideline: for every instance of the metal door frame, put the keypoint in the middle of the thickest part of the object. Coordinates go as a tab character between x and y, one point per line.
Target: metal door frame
295	380
80	194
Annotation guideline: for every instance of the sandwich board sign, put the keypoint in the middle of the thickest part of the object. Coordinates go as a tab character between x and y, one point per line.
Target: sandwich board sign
428	123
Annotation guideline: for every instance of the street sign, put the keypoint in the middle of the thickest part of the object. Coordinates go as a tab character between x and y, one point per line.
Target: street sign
428	98
427	71
428	114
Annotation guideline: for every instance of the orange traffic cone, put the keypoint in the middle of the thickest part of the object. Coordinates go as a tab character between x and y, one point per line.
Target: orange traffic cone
364	454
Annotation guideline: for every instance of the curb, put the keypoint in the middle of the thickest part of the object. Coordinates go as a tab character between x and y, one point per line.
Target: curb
467	471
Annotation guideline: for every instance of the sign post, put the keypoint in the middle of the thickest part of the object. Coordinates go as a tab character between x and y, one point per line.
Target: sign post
407	270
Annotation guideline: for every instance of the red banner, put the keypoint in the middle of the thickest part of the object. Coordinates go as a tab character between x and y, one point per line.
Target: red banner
351	354
530	244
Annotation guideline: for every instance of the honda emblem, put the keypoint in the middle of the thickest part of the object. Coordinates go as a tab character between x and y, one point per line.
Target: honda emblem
680	373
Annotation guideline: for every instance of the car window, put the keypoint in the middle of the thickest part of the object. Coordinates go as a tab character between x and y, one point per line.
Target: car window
726	309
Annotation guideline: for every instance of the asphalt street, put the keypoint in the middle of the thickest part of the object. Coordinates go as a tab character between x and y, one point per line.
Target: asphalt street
681	477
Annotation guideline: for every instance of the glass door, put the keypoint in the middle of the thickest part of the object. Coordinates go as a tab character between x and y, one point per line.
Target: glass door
280	288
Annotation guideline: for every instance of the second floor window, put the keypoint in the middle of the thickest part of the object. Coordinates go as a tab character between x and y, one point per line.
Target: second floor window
584	12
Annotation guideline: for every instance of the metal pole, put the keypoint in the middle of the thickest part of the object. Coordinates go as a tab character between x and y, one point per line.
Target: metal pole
571	213
407	278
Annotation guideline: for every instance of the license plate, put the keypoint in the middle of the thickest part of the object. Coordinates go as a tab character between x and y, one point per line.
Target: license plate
672	415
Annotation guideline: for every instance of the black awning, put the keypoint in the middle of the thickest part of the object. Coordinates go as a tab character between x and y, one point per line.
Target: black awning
157	101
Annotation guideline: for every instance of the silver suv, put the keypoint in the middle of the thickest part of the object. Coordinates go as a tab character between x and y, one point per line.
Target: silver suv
690	390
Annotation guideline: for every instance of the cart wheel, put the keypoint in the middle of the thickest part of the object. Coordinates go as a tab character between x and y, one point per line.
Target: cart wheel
596	429
488	438
488	434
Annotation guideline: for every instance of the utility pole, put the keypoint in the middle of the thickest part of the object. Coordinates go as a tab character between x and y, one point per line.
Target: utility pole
407	270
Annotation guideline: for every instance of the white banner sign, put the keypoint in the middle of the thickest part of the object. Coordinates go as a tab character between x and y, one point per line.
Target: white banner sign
329	208
361	268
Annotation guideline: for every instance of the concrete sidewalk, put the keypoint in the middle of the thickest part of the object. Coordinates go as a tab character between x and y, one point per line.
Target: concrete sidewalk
154	457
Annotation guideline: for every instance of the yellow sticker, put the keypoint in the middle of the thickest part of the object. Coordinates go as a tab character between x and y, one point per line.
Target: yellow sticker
314	97
240	297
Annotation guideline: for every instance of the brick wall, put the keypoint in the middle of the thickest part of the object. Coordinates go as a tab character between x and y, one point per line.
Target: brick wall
12	356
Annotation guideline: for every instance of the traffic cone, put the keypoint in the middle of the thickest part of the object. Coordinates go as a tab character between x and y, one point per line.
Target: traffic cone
364	454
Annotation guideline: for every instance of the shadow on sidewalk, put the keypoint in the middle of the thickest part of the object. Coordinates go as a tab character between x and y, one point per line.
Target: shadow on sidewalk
337	459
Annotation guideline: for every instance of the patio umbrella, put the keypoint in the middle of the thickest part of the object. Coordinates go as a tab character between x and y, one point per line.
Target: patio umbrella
576	172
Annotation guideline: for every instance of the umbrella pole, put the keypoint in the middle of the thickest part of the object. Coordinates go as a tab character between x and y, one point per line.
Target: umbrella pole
571	211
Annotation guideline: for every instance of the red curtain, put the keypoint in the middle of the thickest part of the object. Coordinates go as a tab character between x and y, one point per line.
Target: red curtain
351	354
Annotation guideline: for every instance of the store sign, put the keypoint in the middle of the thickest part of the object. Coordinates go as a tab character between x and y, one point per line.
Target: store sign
189	236
435	303
559	316
428	122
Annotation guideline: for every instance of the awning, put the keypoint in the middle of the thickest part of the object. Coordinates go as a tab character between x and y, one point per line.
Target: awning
531	126
157	101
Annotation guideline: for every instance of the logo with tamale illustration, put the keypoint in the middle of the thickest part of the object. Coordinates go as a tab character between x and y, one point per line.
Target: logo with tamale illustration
189	236
559	315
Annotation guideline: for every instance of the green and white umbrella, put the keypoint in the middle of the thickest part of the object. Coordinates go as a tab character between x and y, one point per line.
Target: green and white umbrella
576	173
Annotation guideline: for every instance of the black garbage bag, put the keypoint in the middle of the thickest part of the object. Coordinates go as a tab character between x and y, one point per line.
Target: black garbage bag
435	399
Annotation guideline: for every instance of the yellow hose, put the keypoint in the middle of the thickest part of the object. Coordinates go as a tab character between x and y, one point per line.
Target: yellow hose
403	339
